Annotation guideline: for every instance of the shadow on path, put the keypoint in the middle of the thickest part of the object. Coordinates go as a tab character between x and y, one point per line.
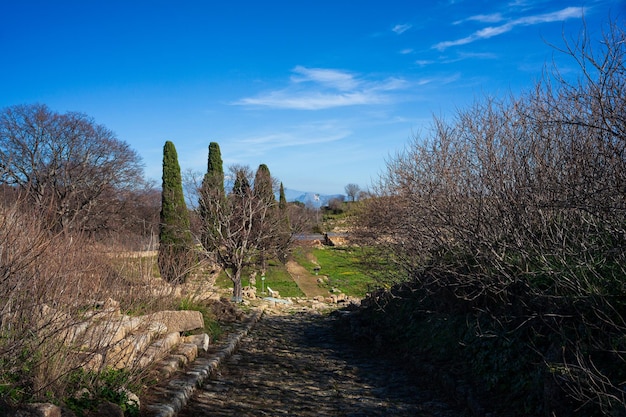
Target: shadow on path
293	365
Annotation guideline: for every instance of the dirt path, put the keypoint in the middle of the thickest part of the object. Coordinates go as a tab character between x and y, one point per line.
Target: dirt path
306	280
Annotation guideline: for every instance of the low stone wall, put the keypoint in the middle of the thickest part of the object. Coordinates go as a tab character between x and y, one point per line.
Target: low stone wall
104	337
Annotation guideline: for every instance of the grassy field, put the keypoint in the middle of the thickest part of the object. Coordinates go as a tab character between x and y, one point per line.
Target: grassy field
339	264
276	277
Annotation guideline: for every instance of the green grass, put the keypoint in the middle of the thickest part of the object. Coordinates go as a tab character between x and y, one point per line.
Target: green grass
211	325
276	277
342	267
299	254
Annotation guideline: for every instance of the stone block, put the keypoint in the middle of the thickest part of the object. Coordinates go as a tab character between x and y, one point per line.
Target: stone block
158	349
40	410
177	321
188	350
200	340
102	335
123	354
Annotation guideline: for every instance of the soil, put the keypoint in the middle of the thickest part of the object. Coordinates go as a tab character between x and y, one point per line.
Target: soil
306	280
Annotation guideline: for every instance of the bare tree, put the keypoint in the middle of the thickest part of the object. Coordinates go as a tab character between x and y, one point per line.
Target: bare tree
66	163
239	227
352	190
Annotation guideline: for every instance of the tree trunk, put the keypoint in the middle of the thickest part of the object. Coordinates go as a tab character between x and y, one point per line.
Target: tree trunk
237	289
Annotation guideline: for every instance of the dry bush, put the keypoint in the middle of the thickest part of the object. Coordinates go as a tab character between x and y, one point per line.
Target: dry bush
517	209
48	282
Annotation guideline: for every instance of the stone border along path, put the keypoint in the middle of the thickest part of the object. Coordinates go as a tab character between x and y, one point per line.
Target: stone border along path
176	392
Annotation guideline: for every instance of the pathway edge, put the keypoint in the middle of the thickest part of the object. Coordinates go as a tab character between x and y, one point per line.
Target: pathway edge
179	390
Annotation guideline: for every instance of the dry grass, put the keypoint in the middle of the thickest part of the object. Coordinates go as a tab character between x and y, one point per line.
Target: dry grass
50	284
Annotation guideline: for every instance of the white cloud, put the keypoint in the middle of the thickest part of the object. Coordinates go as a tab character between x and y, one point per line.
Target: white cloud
400	29
484	18
320	88
491	31
424	62
461	56
440	80
567	13
309	134
313	100
332	78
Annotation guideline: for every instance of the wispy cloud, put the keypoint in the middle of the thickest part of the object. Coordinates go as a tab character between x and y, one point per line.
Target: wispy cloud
442	80
340	80
308	134
287	138
456	58
321	88
491	31
310	100
400	29
483	18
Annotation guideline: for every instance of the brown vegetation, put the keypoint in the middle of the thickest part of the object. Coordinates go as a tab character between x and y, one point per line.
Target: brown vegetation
515	212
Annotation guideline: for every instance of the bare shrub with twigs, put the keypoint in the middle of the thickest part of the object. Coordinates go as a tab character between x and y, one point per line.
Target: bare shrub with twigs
50	285
516	210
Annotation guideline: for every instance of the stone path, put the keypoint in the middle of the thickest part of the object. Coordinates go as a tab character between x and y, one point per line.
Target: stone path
292	365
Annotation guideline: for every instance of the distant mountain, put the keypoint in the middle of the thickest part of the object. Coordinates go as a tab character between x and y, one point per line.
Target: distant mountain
309	198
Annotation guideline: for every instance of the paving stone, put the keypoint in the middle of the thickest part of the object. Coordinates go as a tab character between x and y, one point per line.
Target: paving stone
293	365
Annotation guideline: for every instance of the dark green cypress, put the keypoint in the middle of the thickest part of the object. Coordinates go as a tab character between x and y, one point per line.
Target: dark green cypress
211	195
284	229
282	200
175	240
263	185
214	177
241	187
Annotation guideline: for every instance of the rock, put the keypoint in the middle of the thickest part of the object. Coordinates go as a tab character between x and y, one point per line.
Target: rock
177	321
158	349
200	340
102	335
122	354
107	409
249	292
39	410
187	352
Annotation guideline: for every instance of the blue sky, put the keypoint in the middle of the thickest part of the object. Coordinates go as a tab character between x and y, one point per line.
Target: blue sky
322	91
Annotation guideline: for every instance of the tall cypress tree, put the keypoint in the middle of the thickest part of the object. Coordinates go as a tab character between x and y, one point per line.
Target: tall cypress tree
282	200
265	220
263	187
175	240
214	177
241	187
212	191
284	234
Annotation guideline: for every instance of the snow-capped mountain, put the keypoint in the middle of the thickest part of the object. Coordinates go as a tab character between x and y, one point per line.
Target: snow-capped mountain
309	198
